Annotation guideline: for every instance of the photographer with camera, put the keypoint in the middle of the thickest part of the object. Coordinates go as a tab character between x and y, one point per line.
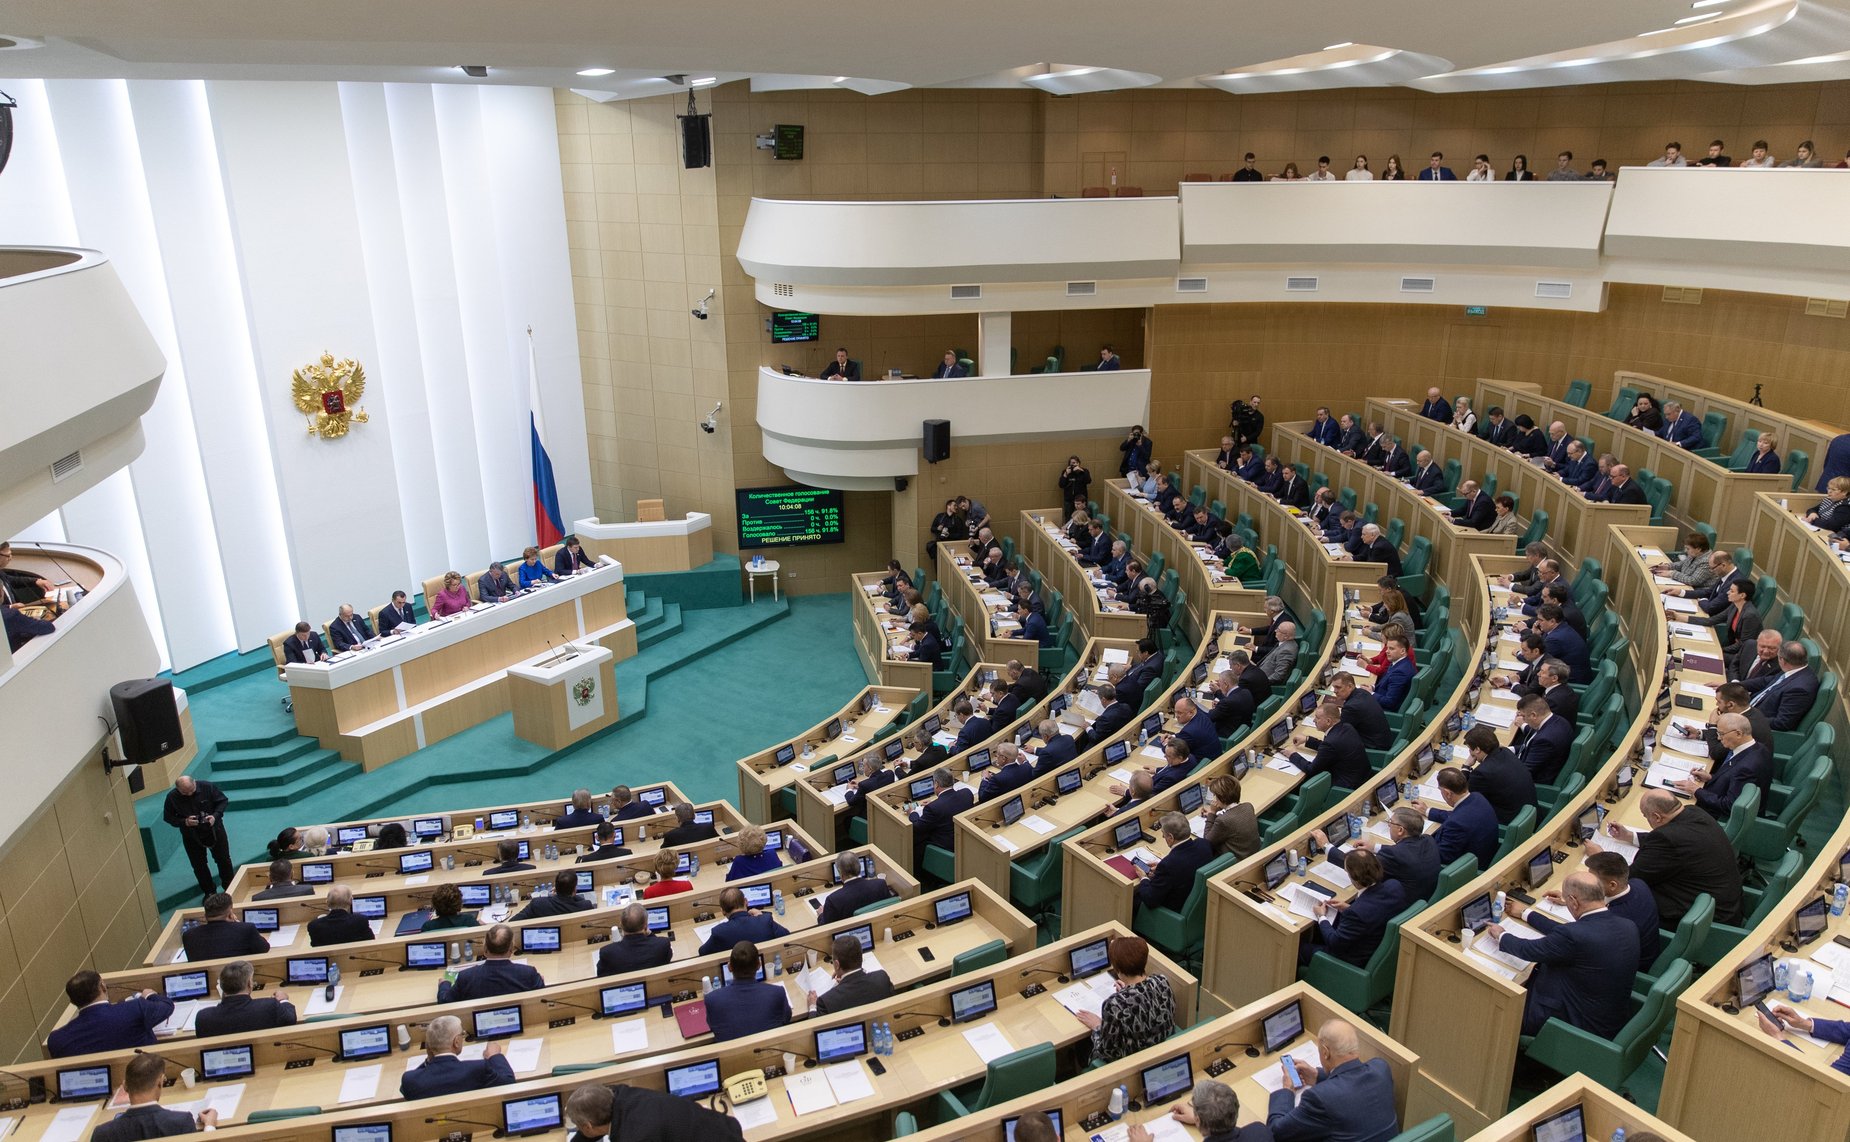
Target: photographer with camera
1246	421
1075	482
1137	449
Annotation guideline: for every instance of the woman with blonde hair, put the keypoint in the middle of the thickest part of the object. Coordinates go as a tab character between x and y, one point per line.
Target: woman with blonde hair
453	598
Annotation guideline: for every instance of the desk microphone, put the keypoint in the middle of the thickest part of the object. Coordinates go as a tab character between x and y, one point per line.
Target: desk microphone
928	921
1252	1049
1063	977
596	1013
826	955
1096	846
813	879
373	960
943	1020
552	654
331	1052
445	1120
35	1092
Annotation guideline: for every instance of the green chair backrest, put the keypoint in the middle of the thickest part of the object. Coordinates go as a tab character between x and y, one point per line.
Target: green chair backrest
1396	531
1453	473
1622	402
1778	883
1453	876
1578	393
1744	449
1797	463
1714	427
1016	1074
883	903
1692	931
1520	829
1195	908
1744	561
1641	1032
278	1113
1537	530
981	956
1746	807
1419	554
904	1122
1438	1128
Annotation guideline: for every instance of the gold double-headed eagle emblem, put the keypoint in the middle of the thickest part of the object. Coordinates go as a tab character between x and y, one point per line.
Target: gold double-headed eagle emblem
329	394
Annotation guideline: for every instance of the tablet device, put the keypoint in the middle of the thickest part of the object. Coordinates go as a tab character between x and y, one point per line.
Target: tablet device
1167	1079
263	919
1090	959
832	730
539	941
1563	1126
1068	781
1541	867
623	998
503	819
364	1132
1282	1027
427	827
658	920
1012	810
413	862
475	895
950	909
1116	752
348	834
694	1080
365	1043
1127	833
218	1063
369	907
422	957
773	840
498	1022
784	755
837	1043
973	1002
864	935
1475	916
306	969
318	873
757	895
185	985
978	760
81	1084
1277	869
534	1114
1190	799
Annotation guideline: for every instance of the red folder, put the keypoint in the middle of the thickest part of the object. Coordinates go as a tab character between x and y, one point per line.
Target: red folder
1125	868
692	1018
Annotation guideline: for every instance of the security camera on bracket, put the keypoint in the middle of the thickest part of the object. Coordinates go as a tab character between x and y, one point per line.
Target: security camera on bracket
700	310
711	424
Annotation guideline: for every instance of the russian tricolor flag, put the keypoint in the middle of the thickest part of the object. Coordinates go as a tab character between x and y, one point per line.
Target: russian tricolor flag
548	525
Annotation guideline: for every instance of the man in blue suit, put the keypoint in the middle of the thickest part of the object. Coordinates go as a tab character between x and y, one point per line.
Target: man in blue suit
1196	728
1436	170
1324	429
100	1025
1584	969
1579	467
974	729
1345	1099
581	815
1011	772
1628	898
1746	763
1469	825
446	1072
1681	427
1437	407
1178	763
1561	641
496	975
142	1081
1056	748
304	646
747	1005
397	613
1543	743
1411	857
1173	878
349	630
742	922
1475	510
1397	681
935	822
950	368
1786	700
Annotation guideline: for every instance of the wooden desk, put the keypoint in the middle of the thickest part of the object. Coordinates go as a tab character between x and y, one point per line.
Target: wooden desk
1213	1043
1808	436
410	691
543	812
1203	582
1725	1078
982	608
1811	572
1452	545
1439	988
1702	490
762	776
935	1060
1576	525
874	643
648	546
368	871
1602	1112
1098	618
889	810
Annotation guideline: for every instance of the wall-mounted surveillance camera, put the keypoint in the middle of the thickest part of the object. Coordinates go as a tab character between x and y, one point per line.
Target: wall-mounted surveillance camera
700	310
711	424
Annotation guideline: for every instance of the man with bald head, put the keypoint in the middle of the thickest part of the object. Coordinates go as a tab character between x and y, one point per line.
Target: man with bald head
1584	970
1558	440
1428	477
1684	854
1621	488
339	925
445	1071
197	809
1344	1098
1436	407
1745	763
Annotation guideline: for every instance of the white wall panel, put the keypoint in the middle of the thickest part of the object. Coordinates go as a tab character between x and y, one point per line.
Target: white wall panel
520	127
431	265
180	161
35	208
106	518
289	189
109	197
497	375
401	368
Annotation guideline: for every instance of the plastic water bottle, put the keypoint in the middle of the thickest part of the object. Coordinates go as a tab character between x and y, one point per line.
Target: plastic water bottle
777	901
526	822
1800	990
468	951
333	981
693	865
1356	823
1618	1134
777	964
1781	974
1120	1099
1839	898
1470	720
1496	908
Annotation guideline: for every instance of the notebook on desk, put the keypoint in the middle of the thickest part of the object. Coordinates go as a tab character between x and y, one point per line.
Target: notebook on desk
412	922
1124	867
692	1019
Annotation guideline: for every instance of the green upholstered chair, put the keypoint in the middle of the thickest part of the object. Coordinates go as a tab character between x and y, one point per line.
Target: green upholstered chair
1578	393
1181	933
1746	807
1520	829
1011	1076
1787	742
1797	463
1691	933
1413	578
278	1113
982	956
1622	402
1453	876
1725	939
1438	1128
1361	988
904	1123
940	863
1034	882
1568	1049
1536	531
1744	450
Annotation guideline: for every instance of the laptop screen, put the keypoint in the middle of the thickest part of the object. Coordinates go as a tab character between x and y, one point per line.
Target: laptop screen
1309	701
1423	761
1059	704
584	881
933	724
868	701
843	774
973	1002
1282	1026
863	935
1153	725
920	789
833	730
1387	794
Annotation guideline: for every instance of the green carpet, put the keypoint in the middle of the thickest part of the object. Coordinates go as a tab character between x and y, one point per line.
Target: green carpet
726	684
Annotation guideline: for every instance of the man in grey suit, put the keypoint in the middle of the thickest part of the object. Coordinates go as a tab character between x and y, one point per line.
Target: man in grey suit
1278	662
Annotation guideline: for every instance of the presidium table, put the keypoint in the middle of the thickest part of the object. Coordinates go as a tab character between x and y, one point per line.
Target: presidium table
405	692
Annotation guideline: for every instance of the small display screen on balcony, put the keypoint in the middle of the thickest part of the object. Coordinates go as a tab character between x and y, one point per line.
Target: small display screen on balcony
791	326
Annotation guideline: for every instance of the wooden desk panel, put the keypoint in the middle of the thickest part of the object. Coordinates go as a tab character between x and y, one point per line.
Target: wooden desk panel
1602	1112
761	778
1061	568
1207	588
872	644
543	812
1808	436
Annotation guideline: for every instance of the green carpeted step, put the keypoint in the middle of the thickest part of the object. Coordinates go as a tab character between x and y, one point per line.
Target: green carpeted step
303	783
284	773
664	625
259	742
227	760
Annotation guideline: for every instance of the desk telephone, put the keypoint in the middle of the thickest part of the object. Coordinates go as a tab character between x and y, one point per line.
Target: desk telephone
746	1086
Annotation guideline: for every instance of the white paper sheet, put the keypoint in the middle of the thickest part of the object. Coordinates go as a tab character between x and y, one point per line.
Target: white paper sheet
756	1113
1038	824
1153	752
849	1081
629	1037
319	1004
1681	606
1331	873
808	1092
224	1099
1304	1055
1304	900
1087	995
472	1051
1112	655
1697	689
1493	714
284	935
69	1124
524	1055
358	1084
1121	775
1832	956
414	881
988	1042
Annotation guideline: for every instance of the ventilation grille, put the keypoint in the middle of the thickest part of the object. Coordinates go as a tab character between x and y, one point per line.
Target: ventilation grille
66	467
966	293
1191	285
1417	285
1300	285
1682	295
1559	291
1825	307
783	289
1081	289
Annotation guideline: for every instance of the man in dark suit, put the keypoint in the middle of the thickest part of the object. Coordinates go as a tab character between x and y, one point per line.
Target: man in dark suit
876	774
100	1025
604	845
1584	969
197	809
1547	572
1681	427
1731	698
349	630
1350	1099
1173	878
1108	360
1027	684
1759	666
1360	710
1324	429
1114	717
397	613
1746	763
1233	704
1436	407
1411	857
145	1117
1787	699
1196	729
625	807
1340	754
1685	853
282	883
1562	595
1395	461
1623	489
1428	477
950	368
747	1005
1350	440
1555	452
1469	825
853	986
571	558
622	1113
1578	468
581	815
1354	932
1252	679
742	922
1146	666
1560	642
221	937
636	949
1497	428
1712	599
1396	682
1544	741
1010	772
857	891
304	646
687	831
1504	782
444	1071
1178	764
1293	492
237	1011
22	628
1378	444
563	900
496	975
1376	549
973	727
1628	898
1056	748
507	853
338	925
1551	677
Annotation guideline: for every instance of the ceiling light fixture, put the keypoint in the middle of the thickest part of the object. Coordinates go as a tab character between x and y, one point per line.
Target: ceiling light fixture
1339	47
704	81
593	72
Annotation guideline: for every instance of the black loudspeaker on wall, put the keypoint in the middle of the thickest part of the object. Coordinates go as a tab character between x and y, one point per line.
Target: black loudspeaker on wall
147	718
696	141
937	441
